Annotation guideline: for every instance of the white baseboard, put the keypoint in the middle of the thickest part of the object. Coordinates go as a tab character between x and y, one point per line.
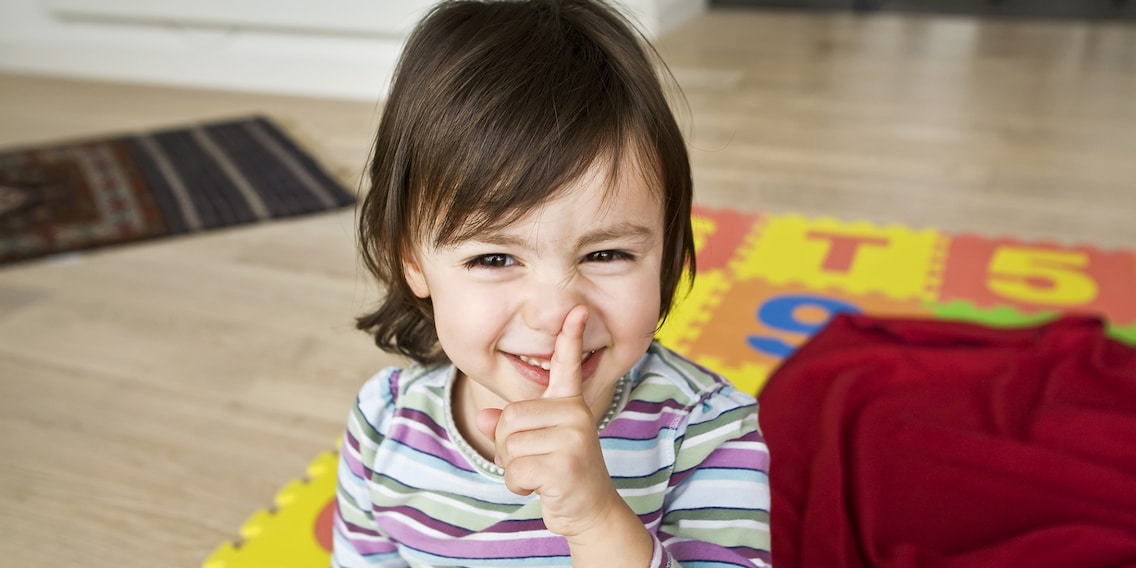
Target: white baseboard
165	42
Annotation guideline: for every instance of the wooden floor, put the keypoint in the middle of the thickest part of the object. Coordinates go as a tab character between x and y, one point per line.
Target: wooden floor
153	397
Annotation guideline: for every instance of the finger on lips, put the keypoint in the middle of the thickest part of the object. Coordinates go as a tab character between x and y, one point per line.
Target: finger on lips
564	379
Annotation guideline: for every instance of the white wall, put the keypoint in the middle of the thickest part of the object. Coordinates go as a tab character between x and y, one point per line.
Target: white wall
333	48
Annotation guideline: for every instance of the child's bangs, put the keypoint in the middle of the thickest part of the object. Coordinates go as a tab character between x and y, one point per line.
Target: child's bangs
491	185
472	207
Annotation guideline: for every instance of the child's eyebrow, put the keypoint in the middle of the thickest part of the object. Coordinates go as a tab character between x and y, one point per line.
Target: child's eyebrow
618	231
501	240
624	230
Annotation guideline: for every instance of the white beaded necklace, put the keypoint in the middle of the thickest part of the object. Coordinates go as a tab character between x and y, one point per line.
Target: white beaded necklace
618	401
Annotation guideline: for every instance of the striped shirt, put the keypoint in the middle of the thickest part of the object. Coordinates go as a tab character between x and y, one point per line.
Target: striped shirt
682	446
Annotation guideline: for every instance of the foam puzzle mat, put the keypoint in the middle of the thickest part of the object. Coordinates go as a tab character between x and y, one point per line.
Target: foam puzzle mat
766	283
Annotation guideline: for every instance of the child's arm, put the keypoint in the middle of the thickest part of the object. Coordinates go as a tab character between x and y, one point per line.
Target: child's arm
716	509
549	446
357	542
717	506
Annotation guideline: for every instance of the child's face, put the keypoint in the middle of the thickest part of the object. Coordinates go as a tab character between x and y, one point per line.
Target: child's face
500	300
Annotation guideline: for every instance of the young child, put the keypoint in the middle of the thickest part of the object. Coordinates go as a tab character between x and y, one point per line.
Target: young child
529	220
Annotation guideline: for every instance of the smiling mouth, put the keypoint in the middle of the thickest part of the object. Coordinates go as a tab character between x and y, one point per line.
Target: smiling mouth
546	364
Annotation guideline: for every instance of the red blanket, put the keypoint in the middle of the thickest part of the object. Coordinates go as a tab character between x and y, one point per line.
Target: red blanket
921	443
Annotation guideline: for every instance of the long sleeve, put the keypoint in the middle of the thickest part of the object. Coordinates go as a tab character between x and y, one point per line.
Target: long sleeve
717	508
358	543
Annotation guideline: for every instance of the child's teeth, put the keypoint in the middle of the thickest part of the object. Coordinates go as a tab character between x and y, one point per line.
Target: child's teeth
547	365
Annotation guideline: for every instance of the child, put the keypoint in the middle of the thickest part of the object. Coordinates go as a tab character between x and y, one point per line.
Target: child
529	220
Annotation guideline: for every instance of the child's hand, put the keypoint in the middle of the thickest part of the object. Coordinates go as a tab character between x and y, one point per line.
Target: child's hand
550	446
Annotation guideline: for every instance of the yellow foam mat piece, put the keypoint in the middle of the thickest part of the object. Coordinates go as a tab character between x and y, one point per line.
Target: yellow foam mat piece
295	533
855	257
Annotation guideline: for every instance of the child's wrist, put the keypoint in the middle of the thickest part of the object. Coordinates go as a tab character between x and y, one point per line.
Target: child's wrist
620	539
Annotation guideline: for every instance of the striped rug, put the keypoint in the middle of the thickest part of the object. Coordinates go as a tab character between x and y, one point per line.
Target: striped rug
93	193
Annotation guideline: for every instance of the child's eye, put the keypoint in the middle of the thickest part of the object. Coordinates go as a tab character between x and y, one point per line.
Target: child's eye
608	256
495	260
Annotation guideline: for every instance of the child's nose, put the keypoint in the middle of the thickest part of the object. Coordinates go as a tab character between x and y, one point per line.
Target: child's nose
547	304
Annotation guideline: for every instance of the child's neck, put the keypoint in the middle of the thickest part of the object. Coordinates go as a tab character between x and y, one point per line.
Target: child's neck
465	406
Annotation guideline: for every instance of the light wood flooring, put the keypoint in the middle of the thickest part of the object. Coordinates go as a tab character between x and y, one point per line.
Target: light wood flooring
152	397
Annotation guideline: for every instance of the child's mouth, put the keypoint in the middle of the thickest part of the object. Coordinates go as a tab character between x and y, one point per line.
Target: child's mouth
546	364
539	369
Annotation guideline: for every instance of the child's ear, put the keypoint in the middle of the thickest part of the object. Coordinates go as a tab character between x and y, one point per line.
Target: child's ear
414	277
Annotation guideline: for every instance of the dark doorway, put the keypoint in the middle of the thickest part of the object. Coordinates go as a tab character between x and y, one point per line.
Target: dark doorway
1077	9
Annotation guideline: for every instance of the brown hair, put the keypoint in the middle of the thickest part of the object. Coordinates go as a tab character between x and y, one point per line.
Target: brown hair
494	107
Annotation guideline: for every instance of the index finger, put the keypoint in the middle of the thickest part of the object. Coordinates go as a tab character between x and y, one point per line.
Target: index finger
564	377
